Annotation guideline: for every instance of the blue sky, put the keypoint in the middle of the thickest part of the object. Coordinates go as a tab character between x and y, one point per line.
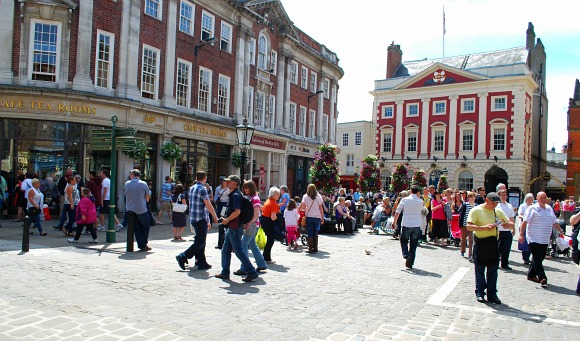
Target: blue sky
360	31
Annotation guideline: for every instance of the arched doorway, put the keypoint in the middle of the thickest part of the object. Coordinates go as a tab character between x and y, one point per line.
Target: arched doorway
434	177
493	177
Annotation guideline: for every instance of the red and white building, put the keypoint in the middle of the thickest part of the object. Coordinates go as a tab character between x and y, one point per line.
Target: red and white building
469	116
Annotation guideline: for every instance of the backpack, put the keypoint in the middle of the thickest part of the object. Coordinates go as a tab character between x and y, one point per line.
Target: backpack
246	211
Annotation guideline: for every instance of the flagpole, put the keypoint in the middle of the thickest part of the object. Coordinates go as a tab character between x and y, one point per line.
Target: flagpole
443	33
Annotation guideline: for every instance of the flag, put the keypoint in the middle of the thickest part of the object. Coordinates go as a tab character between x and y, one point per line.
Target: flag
444	20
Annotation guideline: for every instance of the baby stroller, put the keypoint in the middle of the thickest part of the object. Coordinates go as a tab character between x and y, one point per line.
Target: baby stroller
559	245
455	235
385	225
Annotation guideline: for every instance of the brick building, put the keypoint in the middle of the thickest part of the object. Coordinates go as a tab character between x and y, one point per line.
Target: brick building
181	70
475	117
573	150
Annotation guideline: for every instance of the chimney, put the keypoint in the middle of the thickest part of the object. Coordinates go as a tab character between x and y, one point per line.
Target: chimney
394	59
530	37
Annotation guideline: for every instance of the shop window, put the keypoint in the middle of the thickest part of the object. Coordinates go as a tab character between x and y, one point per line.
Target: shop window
44	52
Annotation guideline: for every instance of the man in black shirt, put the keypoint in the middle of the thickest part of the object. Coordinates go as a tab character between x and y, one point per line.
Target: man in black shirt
480	199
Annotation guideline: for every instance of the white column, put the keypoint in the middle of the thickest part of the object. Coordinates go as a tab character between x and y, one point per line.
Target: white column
452	126
280	82
246	79
6	37
482	126
82	80
399	143
331	116
425	128
287	101
321	108
130	50
168	99
239	94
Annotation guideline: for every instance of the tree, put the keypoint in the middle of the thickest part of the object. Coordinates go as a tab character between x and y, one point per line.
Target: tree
370	176
399	180
419	179
324	172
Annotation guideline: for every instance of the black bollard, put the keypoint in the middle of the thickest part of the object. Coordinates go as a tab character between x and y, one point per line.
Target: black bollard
131	217
26	235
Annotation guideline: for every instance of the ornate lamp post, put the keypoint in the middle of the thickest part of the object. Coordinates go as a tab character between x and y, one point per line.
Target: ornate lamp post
245	133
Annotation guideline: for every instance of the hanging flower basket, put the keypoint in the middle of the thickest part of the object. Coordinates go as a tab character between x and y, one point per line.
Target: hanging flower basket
171	152
370	176
443	184
138	151
324	171
419	179
399	179
237	159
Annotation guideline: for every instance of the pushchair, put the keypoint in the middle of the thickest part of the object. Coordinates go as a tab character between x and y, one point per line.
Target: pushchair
385	225
455	235
558	246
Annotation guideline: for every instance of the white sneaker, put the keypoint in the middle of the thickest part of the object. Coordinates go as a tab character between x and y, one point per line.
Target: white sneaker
119	228
93	241
72	240
103	228
99	227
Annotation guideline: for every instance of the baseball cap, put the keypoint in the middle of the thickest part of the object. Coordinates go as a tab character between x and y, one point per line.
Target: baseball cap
235	178
493	197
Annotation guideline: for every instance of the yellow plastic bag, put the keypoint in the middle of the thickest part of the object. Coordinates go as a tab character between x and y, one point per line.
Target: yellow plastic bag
261	238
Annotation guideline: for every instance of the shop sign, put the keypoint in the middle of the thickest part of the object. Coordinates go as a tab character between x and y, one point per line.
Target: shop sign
151	119
204	130
7	103
267	142
296	148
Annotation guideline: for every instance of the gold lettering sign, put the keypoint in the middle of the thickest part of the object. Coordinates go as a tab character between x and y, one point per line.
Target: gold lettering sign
203	130
149	119
47	106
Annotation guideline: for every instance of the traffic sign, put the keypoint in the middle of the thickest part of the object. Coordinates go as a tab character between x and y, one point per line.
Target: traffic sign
96	147
101	139
124	132
101	133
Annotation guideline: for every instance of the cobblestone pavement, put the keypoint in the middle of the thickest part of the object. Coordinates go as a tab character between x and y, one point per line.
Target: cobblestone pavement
62	291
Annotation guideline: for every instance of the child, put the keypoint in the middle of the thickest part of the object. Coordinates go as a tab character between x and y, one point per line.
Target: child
291	217
86	215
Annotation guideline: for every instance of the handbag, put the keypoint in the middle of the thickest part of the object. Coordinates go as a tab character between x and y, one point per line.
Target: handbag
303	221
33	211
179	207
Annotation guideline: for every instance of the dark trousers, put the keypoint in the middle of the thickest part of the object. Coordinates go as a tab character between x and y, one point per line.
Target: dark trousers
504	244
71	217
410	234
90	228
267	225
536	269
221	227
141	229
346	223
197	249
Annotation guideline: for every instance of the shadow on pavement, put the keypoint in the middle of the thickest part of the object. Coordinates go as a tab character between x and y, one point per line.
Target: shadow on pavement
420	272
505	310
243	288
561	290
319	254
136	255
278	268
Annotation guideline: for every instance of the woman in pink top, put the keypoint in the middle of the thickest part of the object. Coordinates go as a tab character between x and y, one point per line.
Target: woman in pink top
86	215
439	219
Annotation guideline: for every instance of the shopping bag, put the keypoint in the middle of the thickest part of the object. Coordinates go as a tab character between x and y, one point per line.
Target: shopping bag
46	212
564	242
261	238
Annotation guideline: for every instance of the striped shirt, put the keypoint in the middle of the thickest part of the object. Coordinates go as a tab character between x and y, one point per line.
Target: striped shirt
166	191
508	209
197	210
468	208
540	223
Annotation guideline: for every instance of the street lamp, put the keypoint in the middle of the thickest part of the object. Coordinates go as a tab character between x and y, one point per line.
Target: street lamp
314	94
245	133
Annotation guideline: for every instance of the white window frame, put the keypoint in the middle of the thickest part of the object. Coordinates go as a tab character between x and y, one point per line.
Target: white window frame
226	39
260	111
349	163
109	62
271	110
408	132
326	85
304	77
292	117
493	103
465	129
186	86
273	62
31	72
294	72
157	52
435	131
223	104
313	79
387	141
463	103
435	103
312	124
207	32
191	20
263	52
415	105
159	9
493	140
324	129
200	89
467	187
358	138
385	179
384	111
252	51
250	102
345	139
302	122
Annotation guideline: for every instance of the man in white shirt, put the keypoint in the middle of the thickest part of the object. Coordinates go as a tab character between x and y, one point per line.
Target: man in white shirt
411	207
505	235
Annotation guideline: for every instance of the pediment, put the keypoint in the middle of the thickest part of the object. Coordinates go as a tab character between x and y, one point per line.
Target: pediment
439	74
273	15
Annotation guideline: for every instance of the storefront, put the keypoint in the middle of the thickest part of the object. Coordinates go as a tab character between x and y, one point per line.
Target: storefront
300	159
267	159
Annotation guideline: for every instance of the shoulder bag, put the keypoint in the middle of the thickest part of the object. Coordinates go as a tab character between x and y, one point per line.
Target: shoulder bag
486	250
303	221
178	206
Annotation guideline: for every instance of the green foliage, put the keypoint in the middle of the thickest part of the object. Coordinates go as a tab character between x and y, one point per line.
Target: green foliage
370	176
171	152
324	171
138	151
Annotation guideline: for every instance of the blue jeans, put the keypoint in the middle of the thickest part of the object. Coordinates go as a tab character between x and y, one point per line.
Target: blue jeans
312	226
505	245
250	242
62	217
481	282
197	249
36	220
233	242
141	229
71	217
412	234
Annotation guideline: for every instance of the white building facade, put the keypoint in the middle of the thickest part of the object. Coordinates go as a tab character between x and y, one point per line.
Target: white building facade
355	141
